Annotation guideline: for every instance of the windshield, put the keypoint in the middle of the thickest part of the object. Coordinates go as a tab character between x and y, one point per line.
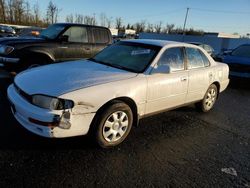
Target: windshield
52	31
130	56
242	51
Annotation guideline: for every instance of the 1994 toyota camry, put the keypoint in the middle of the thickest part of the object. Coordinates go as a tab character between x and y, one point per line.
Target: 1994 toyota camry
108	94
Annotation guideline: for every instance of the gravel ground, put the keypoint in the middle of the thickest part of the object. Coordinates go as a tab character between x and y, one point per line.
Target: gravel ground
180	148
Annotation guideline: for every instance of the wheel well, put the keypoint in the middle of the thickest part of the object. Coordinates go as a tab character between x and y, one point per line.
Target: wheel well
33	57
217	84
43	56
130	102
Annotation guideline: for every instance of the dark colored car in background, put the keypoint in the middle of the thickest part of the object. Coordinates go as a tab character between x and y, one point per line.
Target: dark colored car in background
6	31
59	42
209	49
29	32
239	61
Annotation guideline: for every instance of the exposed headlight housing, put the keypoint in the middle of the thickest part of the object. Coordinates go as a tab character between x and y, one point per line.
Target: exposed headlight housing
5	50
51	103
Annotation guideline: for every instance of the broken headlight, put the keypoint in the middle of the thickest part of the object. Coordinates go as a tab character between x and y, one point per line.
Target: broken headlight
5	50
52	103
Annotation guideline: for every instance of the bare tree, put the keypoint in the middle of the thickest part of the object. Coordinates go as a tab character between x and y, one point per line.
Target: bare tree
52	13
79	18
169	28
140	26
69	18
158	27
118	23
36	13
3	11
150	28
19	10
103	19
10	11
89	20
109	22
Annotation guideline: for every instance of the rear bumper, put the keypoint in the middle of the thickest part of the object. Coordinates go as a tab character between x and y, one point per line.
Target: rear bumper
223	85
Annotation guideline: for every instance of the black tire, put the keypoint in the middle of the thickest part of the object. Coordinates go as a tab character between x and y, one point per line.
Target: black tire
104	119
209	99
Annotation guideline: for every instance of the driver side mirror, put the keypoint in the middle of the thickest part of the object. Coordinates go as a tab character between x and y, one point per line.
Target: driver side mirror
227	52
161	69
64	38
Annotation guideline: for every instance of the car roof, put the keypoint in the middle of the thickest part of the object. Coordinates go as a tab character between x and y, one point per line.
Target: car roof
154	42
76	24
195	43
247	44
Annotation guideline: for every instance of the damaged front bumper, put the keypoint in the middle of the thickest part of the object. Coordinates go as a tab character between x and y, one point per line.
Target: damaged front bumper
47	123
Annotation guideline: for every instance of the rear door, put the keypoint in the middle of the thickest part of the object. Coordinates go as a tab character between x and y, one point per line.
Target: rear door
200	74
101	39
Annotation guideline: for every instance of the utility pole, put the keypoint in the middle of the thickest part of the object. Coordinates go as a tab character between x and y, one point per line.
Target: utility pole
184	26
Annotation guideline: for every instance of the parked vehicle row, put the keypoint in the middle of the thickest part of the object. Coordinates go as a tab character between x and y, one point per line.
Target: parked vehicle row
6	31
108	94
238	61
57	43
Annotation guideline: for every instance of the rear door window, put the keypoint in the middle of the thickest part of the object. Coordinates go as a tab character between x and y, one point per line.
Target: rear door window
100	35
194	58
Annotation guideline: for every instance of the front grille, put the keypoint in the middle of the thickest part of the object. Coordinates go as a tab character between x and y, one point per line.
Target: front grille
22	93
239	67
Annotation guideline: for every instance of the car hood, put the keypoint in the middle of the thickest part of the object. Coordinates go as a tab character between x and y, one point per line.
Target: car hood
61	78
17	40
236	59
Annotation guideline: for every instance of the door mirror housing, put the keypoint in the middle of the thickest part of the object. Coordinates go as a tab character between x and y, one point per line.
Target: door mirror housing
161	69
64	38
227	52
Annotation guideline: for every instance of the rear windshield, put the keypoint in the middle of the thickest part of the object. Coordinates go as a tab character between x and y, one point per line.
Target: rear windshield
242	51
129	56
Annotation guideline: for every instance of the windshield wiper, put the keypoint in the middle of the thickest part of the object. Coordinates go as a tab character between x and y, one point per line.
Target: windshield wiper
112	65
97	61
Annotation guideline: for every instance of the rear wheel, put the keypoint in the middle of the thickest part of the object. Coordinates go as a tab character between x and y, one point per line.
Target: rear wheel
113	125
209	99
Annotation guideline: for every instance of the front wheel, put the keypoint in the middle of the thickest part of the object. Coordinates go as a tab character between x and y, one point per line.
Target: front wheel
114	125
209	99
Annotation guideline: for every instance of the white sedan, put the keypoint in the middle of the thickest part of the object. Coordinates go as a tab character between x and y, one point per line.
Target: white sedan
108	94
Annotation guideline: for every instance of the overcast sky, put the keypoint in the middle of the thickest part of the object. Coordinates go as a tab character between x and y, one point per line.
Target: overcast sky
209	15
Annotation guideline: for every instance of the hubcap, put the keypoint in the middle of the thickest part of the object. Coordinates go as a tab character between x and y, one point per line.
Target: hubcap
115	126
210	98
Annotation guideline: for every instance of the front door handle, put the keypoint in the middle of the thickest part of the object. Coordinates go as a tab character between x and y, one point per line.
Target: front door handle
184	78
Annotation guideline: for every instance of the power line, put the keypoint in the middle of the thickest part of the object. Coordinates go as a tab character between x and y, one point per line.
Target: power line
219	11
160	14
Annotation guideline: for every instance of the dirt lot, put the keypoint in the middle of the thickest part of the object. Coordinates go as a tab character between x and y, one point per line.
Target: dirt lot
181	148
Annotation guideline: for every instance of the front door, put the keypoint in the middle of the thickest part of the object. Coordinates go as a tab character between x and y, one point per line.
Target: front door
77	46
167	90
